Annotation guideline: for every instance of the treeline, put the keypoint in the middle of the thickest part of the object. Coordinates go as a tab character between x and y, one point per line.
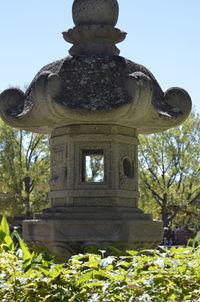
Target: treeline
24	171
170	174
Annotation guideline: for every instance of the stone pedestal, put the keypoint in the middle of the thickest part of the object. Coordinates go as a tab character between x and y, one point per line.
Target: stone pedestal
66	231
94	211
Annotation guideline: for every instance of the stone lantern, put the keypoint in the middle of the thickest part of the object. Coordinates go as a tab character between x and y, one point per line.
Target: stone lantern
94	104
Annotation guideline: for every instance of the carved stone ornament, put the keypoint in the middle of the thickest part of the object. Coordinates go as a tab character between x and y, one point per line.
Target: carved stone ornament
94	103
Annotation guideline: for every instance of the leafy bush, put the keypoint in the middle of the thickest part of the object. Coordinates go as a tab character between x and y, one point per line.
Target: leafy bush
151	275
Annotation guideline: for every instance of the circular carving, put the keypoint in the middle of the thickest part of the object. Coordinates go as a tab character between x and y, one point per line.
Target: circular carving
128	168
87	12
12	101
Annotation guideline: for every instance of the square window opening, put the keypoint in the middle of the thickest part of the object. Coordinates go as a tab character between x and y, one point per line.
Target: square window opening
93	166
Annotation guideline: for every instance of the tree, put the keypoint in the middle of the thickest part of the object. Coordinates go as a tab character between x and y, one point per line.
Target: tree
170	172
24	171
94	168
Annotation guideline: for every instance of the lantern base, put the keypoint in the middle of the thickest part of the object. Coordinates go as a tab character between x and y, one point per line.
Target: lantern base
68	231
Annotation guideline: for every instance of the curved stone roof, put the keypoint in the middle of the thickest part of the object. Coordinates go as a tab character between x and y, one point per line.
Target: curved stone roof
94	85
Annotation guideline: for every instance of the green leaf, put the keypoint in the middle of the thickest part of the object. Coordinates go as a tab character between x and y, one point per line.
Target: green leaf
132	253
9	242
173	297
94	284
55	273
4	227
2	236
115	250
17	236
84	278
26	252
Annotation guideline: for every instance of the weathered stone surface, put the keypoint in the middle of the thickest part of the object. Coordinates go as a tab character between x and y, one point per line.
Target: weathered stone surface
85	214
94	103
68	187
91	88
102	12
94	40
95	84
94	33
76	229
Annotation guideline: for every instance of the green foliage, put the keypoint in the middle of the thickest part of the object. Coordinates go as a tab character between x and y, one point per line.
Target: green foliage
24	171
151	275
170	174
194	242
198	236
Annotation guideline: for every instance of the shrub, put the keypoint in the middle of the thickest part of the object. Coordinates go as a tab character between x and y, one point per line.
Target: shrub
151	275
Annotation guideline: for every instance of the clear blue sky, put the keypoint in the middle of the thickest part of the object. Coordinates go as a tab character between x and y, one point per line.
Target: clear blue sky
163	35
